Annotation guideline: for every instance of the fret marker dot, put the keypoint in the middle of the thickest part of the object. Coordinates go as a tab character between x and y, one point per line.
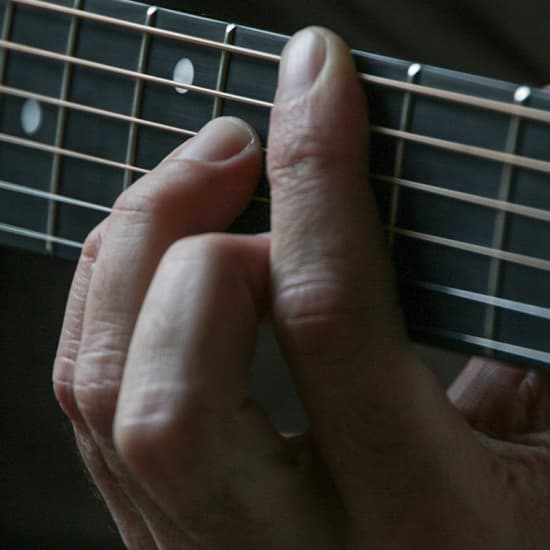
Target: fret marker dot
31	116
184	72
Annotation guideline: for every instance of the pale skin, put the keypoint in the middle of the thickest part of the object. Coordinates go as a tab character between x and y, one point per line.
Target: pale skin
160	407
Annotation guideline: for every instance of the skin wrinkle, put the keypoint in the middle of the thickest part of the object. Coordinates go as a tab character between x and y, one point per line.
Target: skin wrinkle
389	462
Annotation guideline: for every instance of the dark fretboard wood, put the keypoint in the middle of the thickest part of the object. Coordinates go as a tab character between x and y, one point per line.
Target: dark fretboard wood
470	299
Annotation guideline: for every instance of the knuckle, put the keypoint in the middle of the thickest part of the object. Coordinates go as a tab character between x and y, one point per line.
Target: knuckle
97	385
162	433
64	394
92	244
156	195
301	154
96	402
321	319
139	202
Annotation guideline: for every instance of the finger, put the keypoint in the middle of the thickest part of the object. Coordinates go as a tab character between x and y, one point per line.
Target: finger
71	332
200	189
179	421
368	398
203	187
130	523
502	400
185	424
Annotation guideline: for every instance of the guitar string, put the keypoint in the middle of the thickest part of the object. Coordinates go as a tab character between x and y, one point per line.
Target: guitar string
489	154
526	211
22	142
25	94
48	54
442	94
387	131
503	255
523	111
498	205
520	209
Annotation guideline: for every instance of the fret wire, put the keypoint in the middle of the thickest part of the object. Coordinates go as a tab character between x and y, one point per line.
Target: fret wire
488	344
47	54
7	90
5	35
404	123
138	96
60	127
465	149
480	152
503	303
436	93
501	216
180	37
530	261
221	82
14	187
513	208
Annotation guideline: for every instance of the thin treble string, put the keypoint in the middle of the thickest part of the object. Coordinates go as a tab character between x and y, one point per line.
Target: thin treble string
438	93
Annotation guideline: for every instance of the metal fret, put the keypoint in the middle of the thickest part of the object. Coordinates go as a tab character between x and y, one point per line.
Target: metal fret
138	96
406	114
5	35
222	73
60	128
501	217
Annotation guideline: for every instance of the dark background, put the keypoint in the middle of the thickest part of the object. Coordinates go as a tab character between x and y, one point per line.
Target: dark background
47	499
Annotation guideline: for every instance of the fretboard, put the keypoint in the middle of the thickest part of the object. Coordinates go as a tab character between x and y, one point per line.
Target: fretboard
94	93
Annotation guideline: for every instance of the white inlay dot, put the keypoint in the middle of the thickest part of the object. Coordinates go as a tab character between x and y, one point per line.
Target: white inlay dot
31	116
184	72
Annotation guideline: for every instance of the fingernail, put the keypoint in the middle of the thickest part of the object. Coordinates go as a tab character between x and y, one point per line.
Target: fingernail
221	139
301	62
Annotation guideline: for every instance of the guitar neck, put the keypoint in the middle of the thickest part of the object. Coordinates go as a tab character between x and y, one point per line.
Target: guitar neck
94	93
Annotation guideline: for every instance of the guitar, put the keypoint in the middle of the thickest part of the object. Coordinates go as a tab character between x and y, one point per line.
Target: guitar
460	164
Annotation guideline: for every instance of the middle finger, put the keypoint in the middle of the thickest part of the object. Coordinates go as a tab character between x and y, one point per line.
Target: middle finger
202	187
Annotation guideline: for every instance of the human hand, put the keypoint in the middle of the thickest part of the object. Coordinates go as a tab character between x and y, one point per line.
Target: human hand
161	326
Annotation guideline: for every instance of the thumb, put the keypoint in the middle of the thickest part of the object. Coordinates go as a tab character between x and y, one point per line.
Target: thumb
334	304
